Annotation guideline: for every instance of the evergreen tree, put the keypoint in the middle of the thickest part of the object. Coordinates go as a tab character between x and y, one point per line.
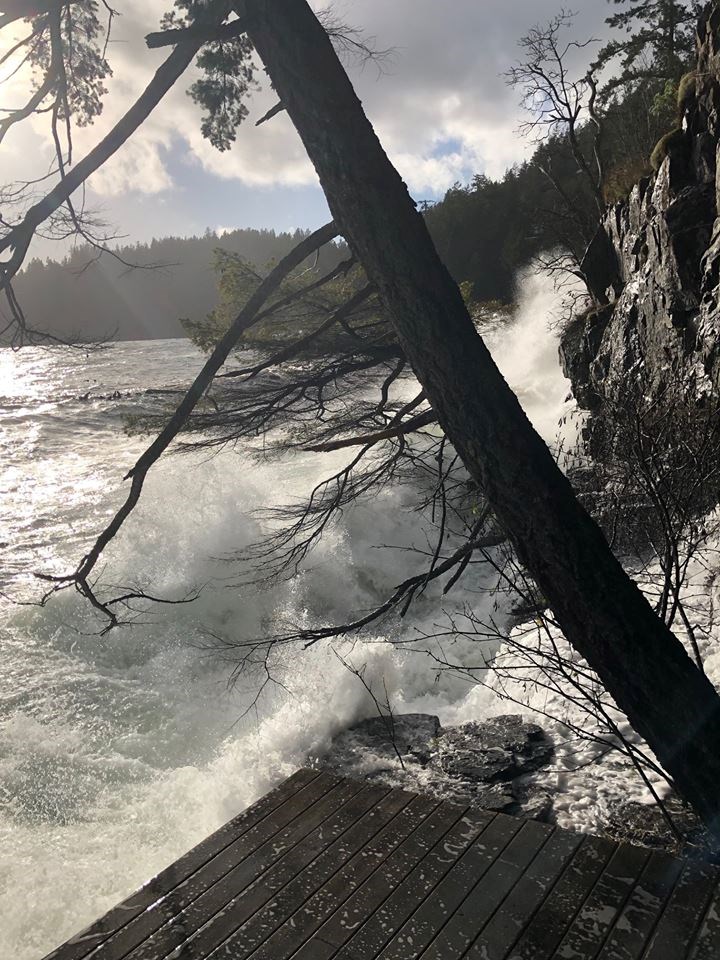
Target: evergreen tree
659	41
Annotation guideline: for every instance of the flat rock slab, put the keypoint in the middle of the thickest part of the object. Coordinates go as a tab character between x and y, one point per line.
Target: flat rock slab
408	735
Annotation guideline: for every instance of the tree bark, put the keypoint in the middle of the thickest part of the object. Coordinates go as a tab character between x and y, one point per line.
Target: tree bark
603	614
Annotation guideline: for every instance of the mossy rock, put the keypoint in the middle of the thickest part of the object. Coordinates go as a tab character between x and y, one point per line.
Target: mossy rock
666	146
621	177
687	91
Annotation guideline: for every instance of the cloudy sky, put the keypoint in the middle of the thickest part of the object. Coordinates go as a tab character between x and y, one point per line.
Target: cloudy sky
439	104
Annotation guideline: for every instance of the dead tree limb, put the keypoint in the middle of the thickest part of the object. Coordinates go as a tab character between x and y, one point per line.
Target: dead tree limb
400	430
298	346
272	112
245	319
195	34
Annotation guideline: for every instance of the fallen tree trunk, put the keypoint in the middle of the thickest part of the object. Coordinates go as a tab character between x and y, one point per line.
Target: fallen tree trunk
605	617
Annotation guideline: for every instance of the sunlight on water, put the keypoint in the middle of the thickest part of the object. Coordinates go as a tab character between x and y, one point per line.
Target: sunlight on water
118	753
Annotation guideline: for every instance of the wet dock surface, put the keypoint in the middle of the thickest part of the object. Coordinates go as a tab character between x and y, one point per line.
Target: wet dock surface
325	867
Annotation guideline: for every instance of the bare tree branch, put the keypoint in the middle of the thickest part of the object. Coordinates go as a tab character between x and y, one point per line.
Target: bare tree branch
247	316
196	34
17	240
400	430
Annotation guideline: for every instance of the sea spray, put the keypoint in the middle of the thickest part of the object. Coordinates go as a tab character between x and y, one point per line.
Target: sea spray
119	752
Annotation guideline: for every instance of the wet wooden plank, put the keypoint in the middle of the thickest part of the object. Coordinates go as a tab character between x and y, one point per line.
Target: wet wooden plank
551	921
307	920
683	914
227	928
325	868
338	929
166	909
91	937
212	910
299	908
597	915
507	923
444	858
638	918
485	896
707	945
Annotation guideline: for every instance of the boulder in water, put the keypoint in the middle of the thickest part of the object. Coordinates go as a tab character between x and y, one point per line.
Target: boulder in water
645	825
499	749
380	743
485	763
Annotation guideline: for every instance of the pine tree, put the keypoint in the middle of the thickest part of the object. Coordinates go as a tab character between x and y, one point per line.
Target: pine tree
659	43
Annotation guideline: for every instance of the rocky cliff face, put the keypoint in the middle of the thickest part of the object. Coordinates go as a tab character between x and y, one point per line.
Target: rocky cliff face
654	265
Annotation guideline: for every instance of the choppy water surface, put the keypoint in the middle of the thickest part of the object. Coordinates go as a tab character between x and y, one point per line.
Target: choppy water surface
117	753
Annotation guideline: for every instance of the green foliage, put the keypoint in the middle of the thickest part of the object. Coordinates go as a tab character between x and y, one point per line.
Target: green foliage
83	70
238	278
622	176
658	41
466	291
686	91
664	105
236	282
228	75
634	120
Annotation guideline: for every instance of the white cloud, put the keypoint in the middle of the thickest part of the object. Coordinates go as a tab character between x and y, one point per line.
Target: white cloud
441	108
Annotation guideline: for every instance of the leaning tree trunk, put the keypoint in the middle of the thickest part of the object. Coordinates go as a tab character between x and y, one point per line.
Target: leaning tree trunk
603	614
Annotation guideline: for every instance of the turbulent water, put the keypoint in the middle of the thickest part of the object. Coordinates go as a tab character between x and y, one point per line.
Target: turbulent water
117	753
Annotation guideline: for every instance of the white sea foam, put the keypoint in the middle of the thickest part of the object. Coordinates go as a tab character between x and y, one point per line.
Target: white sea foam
118	753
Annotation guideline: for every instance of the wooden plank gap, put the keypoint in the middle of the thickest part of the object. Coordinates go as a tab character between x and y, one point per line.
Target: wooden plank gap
707	944
548	925
198	900
604	904
424	878
230	937
495	877
501	932
381	882
683	913
307	881
640	916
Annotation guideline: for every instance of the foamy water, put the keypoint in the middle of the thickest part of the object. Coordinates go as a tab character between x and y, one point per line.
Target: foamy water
117	753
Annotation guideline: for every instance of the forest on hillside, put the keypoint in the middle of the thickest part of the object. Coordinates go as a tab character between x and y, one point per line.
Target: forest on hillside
146	290
486	231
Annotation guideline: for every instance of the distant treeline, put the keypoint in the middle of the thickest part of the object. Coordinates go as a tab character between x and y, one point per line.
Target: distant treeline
485	232
85	298
482	231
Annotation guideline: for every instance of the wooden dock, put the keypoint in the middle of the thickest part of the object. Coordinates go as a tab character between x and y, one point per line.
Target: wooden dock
323	867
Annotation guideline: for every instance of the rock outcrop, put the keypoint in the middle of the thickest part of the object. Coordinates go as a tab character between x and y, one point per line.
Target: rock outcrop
646	825
488	763
654	265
